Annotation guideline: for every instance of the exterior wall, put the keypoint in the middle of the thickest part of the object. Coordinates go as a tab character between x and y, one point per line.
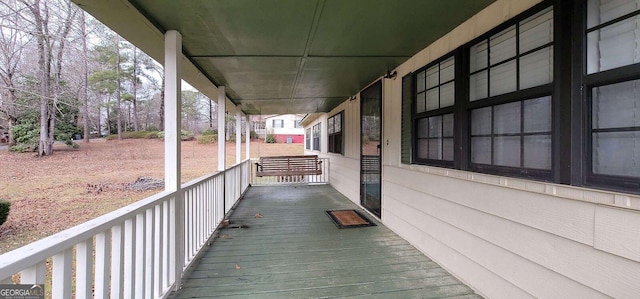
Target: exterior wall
283	138
345	169
289	127
505	237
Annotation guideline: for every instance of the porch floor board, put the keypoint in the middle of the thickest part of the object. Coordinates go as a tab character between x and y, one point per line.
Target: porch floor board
295	251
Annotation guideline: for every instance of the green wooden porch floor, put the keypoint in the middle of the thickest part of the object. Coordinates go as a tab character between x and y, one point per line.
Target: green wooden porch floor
295	251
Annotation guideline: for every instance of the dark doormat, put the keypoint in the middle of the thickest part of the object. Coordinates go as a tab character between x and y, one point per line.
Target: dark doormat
348	218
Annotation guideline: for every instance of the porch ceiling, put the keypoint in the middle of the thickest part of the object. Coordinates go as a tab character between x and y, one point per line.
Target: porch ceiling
288	56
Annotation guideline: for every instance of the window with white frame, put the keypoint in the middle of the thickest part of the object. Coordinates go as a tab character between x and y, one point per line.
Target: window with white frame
334	133
316	137
307	137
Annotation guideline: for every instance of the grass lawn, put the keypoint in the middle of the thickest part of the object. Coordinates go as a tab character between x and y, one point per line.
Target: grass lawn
50	194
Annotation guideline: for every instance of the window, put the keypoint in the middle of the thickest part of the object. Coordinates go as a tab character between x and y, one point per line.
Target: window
510	99
612	34
436	86
435	97
435	138
316	137
334	132
406	143
277	123
258	125
516	134
307	137
518	101
613	84
516	58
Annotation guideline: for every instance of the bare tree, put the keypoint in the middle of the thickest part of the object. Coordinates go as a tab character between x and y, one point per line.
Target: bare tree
12	43
135	89
84	93
153	71
119	89
50	27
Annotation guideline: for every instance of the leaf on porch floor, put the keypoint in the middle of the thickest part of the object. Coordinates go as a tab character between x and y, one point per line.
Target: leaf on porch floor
259	215
225	236
238	267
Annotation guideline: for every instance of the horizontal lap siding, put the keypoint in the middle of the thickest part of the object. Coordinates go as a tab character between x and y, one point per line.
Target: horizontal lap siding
541	244
345	176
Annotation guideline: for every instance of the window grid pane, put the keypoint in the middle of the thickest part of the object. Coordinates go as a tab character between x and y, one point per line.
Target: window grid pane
615	129
436	87
435	138
514	135
509	65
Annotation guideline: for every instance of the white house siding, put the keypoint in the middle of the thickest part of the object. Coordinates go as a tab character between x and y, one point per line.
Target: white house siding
345	169
289	126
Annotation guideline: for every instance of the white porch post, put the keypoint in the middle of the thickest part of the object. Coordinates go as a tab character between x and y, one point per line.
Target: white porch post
238	135
222	146
172	173
248	137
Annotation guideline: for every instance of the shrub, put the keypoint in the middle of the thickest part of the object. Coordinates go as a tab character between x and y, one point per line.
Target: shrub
184	135
134	135
207	139
21	148
270	138
66	138
5	206
209	132
253	135
26	135
151	135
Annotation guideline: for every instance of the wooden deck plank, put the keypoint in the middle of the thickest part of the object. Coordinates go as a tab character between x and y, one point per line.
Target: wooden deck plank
435	271
330	287
293	250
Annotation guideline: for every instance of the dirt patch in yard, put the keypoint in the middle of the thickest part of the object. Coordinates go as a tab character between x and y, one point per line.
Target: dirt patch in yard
50	194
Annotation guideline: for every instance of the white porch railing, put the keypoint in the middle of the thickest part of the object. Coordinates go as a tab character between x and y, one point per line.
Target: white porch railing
130	252
293	179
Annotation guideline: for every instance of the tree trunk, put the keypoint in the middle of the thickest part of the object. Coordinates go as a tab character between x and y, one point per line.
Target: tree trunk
44	76
108	115
210	114
100	120
85	81
118	93
135	89
161	126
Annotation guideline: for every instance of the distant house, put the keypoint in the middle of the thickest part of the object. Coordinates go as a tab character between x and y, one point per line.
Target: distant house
286	128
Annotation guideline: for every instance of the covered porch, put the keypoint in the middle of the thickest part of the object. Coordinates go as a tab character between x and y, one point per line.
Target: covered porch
486	152
281	244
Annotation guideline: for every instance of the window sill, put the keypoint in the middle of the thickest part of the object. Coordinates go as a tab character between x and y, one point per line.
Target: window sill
603	197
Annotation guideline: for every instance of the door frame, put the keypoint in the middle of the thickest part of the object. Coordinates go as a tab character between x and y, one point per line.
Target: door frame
380	151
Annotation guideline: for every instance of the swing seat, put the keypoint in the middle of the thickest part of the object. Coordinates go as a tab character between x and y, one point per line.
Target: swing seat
288	166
